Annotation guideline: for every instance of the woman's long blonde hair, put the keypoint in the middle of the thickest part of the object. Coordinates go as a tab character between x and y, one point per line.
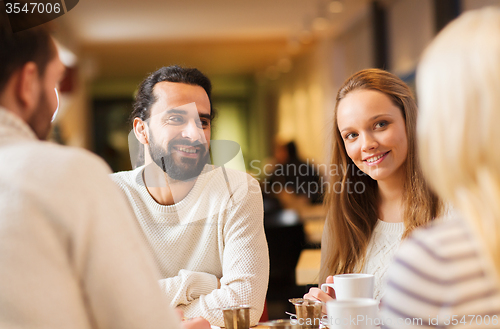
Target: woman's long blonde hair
352	216
458	84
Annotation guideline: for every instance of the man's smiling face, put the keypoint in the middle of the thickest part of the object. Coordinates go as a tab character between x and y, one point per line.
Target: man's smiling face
179	129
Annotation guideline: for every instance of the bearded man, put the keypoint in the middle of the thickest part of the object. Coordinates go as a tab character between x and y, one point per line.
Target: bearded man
203	223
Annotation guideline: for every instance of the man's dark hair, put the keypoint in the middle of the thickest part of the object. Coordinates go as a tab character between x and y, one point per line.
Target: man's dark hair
17	49
145	97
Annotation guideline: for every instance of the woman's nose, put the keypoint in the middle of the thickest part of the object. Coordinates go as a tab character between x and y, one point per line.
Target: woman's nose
369	143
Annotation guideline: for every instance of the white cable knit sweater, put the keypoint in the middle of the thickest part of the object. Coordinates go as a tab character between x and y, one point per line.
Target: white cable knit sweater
216	231
380	252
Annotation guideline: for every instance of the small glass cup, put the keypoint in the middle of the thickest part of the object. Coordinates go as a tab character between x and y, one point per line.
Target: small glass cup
308	312
237	317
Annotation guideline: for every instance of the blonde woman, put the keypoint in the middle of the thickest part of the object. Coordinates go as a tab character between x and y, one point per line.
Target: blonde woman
379	195
449	274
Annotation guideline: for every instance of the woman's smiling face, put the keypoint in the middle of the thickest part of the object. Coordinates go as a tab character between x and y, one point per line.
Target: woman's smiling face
374	133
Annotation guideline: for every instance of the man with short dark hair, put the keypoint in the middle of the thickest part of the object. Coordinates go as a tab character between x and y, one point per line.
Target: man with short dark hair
203	223
71	255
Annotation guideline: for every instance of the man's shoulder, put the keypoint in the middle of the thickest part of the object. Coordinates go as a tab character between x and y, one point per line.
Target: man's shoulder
79	160
45	157
50	167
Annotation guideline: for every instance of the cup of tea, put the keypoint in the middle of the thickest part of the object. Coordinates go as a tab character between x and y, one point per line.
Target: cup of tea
352	313
355	285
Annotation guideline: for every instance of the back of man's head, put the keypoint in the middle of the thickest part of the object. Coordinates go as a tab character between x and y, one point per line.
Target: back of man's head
17	49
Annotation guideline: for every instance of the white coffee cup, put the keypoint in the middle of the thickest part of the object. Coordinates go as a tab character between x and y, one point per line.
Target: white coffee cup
353	313
356	285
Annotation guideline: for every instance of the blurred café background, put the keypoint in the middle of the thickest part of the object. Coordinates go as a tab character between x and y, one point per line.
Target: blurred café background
276	66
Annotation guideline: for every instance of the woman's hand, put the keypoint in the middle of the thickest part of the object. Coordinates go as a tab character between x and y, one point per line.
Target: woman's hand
318	294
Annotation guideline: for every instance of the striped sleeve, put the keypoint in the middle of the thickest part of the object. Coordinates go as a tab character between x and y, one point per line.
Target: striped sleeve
438	279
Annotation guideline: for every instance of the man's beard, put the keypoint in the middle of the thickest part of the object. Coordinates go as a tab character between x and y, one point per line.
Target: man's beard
188	168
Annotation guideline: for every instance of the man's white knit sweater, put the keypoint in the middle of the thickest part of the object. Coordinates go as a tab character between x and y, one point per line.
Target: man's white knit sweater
215	232
71	254
383	245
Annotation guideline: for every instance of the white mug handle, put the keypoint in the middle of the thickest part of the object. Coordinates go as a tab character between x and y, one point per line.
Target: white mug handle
325	286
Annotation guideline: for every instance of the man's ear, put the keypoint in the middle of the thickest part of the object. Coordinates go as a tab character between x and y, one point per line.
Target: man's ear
28	88
141	131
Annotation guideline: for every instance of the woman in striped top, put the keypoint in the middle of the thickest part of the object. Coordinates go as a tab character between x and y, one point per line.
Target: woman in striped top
448	275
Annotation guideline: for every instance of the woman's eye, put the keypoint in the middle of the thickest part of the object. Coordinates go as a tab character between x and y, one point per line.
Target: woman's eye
381	124
350	136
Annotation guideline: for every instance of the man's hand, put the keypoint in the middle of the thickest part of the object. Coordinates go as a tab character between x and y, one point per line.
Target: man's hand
318	294
196	323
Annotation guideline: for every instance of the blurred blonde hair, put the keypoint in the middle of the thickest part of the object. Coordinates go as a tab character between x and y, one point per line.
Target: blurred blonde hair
458	83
